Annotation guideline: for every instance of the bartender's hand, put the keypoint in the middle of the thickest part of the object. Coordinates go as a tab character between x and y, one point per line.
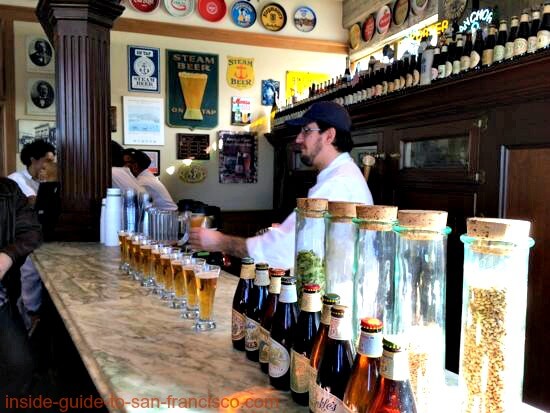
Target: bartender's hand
5	264
204	239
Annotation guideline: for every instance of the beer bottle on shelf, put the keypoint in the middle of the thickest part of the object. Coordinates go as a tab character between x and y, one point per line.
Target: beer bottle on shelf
379	79
390	76
535	25
509	52
319	343
405	74
410	73
466	52
402	73
435	63
282	335
441	62
543	35
450	55
477	51
306	330
240	302
336	361
416	71
270	307
500	48
457	54
394	393
521	41
255	310
361	387
488	49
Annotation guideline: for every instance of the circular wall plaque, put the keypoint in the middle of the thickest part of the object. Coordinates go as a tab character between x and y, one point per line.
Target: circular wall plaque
212	10
179	8
144	6
369	26
354	36
383	19
192	174
243	14
400	12
305	19
419	6
273	17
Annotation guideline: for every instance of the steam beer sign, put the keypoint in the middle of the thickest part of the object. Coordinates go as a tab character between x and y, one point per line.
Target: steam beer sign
240	72
143	69
192	89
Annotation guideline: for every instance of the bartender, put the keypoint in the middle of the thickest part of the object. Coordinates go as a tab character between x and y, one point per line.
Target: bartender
324	141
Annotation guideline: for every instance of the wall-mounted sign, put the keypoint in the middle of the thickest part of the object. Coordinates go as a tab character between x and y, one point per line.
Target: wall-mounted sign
179	8
297	82
305	19
273	17
436	28
400	12
212	10
240	72
143	69
243	14
192	89
240	111
143	121
354	36
145	6
192	146
383	19
474	20
270	91
419	6
192	174
238	158
369	26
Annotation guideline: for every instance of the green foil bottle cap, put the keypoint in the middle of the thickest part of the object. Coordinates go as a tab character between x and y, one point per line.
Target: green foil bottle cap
331	299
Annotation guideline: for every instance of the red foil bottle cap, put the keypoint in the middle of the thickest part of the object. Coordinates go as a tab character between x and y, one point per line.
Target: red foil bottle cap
371	324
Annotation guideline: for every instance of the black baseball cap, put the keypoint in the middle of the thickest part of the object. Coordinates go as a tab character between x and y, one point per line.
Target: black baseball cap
330	113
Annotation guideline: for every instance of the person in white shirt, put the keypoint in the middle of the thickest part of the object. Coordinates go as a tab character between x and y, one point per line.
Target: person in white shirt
121	176
324	141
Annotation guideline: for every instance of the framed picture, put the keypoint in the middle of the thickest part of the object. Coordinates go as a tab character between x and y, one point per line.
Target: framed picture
30	130
154	154
238	157
143	121
40	96
358	152
192	146
270	91
143	69
240	111
40	55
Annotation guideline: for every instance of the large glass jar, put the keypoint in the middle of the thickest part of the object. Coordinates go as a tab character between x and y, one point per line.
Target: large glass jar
496	258
373	269
339	257
420	285
310	242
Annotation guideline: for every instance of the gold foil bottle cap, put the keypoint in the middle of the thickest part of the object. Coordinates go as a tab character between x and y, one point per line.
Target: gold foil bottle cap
422	219
511	230
342	209
381	213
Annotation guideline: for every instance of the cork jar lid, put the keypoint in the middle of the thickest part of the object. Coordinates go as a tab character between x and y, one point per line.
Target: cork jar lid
342	209
312	204
381	213
422	219
496	229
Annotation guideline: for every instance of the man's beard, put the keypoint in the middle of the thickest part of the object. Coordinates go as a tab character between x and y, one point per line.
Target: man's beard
308	159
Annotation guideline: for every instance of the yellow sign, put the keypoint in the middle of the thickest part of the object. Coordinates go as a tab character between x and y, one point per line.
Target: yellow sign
240	72
437	28
297	82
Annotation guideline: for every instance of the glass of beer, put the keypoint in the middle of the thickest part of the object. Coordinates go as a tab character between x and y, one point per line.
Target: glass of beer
135	255
177	261
190	268
122	243
206	280
192	86
161	267
145	247
128	251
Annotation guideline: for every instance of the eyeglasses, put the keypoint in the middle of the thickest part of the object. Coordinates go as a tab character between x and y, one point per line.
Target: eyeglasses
306	131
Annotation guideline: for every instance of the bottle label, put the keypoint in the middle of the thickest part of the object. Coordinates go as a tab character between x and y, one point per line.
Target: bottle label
251	335
441	71
279	359
370	344
532	44
487	58
448	68
409	80
311	302
262	277
263	345
474	59
499	52
288	294
340	329
395	366
238	323
520	46
275	285
435	73
401	82
416	77
384	87
543	39
456	67
509	50
391	87
312	384
248	271
327	402
378	89
464	63
299	372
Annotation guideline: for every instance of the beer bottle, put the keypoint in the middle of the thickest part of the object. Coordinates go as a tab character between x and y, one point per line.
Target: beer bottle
282	335
543	35
416	71
488	49
477	51
500	47
532	40
306	330
267	319
509	52
450	56
457	55
406	76
240	301
466	52
441	62
402	72
435	63
521	41
255	310
361	387
409	80
394	393
319	344
336	361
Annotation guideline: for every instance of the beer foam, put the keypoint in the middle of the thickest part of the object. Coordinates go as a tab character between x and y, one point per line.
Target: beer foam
176	262
207	274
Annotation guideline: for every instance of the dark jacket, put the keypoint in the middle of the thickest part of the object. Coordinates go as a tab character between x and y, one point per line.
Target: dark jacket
20	232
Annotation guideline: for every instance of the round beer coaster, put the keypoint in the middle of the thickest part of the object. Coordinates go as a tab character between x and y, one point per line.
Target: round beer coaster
273	17
400	12
243	14
368	28
419	6
212	10
179	8
144	6
383	19
354	36
305	19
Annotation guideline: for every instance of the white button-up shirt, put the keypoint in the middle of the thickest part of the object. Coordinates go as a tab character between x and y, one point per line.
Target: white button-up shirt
122	178
158	192
341	180
26	183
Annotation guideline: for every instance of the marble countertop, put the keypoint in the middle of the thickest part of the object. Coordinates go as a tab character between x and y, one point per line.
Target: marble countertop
135	347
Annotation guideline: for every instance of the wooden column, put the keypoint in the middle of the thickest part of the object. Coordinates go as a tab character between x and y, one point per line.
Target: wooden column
80	33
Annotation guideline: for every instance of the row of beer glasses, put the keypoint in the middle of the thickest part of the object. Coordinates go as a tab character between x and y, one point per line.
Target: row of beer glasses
186	283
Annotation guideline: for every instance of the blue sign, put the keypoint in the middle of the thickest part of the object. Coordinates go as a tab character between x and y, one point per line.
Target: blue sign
243	14
143	69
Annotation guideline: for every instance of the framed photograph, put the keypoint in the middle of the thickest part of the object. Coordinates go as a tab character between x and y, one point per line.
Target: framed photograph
192	146
238	158
41	96
30	130
40	55
143	121
154	154
358	152
143	69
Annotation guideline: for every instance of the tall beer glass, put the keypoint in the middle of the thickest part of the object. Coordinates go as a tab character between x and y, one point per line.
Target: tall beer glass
177	261
206	280
122	243
161	269
189	271
145	246
192	86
